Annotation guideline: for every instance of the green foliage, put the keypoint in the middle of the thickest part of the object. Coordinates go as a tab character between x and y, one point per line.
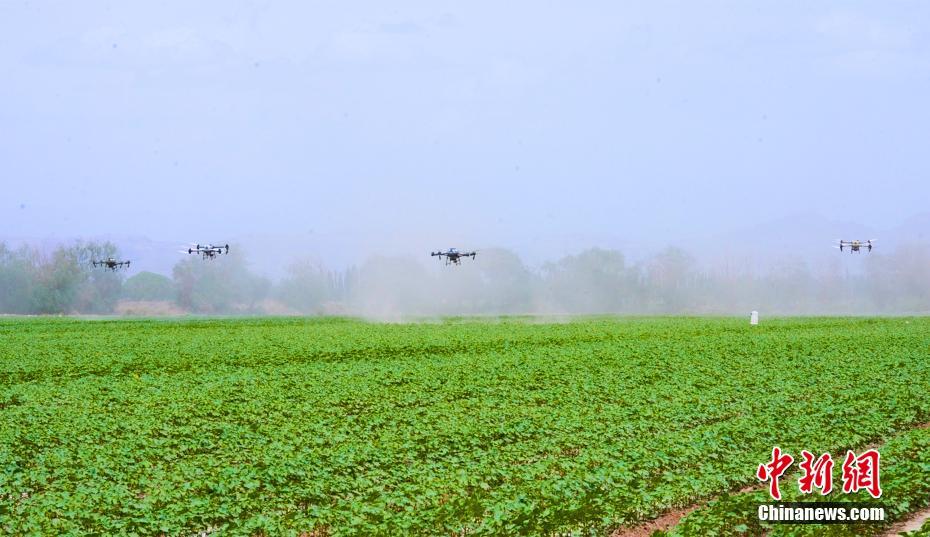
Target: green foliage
58	282
505	427
905	480
64	282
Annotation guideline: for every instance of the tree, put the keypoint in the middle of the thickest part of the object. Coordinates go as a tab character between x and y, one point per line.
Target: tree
900	282
594	281
307	287
99	289
496	282
18	280
789	287
507	285
149	286
393	286
670	278
57	283
220	285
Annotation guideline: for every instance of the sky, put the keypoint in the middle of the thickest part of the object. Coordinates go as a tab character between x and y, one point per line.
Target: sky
339	130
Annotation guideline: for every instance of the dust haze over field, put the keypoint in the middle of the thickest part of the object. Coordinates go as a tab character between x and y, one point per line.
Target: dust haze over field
635	158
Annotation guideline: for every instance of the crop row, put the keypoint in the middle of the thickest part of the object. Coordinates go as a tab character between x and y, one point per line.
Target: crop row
905	478
344	427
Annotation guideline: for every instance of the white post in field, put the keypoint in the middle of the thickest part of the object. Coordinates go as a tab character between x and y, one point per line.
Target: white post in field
754	317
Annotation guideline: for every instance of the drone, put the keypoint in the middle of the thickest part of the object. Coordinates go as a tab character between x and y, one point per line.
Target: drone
854	246
453	256
111	264
209	251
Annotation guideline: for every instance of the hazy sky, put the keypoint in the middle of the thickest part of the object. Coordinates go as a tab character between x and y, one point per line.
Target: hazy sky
458	123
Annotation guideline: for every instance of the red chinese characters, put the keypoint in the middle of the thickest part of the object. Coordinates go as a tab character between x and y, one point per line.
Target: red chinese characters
817	473
862	473
859	473
773	470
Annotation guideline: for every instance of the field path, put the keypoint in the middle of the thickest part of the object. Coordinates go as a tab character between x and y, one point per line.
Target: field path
912	523
671	518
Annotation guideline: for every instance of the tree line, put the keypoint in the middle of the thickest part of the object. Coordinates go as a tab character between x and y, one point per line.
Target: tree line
591	282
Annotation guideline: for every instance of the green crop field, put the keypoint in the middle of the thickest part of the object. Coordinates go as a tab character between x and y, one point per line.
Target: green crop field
517	426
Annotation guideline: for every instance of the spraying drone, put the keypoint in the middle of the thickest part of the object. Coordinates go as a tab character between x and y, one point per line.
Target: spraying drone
453	256
209	251
111	264
854	246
